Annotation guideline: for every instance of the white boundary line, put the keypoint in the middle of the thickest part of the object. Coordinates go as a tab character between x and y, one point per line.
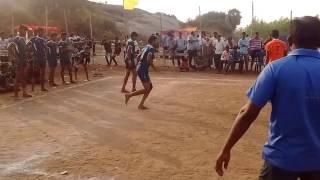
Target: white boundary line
53	92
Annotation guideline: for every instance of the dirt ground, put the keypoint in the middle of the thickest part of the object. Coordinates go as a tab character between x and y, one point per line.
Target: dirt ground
85	131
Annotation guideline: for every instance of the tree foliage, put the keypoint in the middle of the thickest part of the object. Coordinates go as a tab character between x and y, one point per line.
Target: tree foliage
265	28
224	23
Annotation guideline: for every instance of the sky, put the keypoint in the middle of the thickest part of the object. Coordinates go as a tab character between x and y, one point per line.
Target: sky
267	10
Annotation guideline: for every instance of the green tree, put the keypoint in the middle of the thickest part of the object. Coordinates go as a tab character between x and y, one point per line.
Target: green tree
265	28
218	21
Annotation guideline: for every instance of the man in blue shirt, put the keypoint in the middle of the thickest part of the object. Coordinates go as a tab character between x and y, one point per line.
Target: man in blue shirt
244	46
292	86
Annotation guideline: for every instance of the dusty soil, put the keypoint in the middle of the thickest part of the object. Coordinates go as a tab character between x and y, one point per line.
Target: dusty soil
87	132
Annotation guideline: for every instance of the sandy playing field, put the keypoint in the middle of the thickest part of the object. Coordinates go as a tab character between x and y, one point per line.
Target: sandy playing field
85	131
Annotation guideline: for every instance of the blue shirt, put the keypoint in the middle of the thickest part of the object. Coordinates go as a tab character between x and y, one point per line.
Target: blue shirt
52	50
143	64
40	47
292	84
22	47
244	45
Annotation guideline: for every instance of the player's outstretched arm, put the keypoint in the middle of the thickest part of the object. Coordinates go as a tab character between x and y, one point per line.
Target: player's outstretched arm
245	118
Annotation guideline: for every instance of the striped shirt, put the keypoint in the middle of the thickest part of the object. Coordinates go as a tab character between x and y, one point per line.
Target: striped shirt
255	44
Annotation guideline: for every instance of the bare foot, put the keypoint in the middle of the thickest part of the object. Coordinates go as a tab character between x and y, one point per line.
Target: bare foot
143	108
124	91
127	98
133	90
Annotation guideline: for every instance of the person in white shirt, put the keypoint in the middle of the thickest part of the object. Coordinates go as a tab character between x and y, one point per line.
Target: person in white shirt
3	47
219	48
192	48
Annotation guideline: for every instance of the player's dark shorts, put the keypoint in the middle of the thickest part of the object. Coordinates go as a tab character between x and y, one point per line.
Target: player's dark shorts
52	62
65	61
143	74
40	62
270	172
130	65
20	64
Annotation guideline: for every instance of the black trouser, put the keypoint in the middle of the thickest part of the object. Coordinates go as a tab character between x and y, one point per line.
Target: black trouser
192	54
269	172
179	57
217	62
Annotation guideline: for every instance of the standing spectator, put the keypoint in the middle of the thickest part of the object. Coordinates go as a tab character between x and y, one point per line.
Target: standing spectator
181	48
108	49
219	48
21	64
53	51
206	50
40	46
172	45
211	54
192	48
165	44
292	86
244	45
255	46
231	43
117	50
132	51
3	47
226	57
214	38
93	46
275	49
65	50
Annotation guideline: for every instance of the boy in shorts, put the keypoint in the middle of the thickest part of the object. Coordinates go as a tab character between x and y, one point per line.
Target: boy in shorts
145	60
52	58
65	50
132	51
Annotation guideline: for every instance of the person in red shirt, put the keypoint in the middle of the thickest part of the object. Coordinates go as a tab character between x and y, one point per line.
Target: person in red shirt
275	49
